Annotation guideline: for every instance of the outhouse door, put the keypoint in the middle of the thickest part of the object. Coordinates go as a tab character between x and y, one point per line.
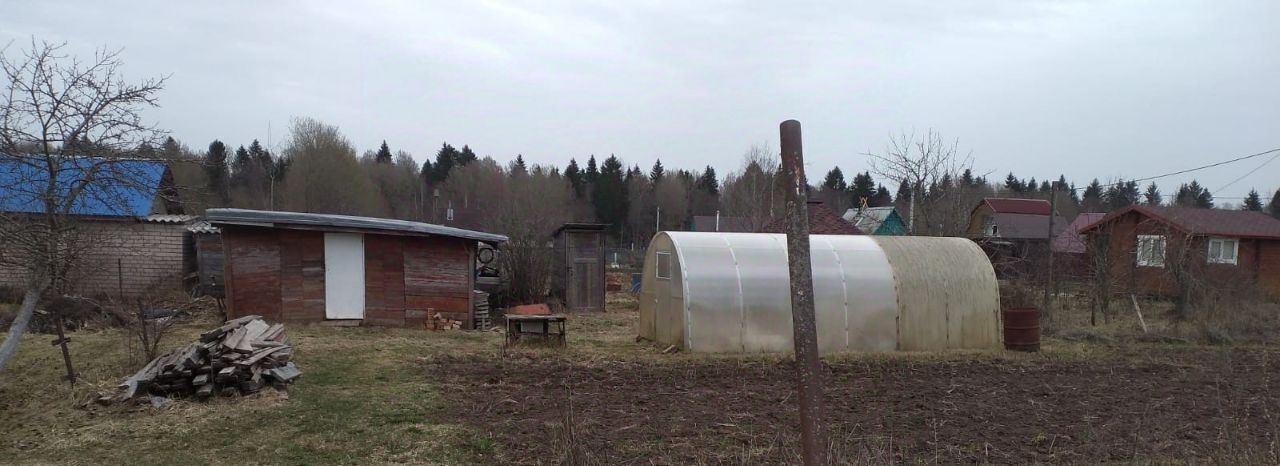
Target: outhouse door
586	272
343	276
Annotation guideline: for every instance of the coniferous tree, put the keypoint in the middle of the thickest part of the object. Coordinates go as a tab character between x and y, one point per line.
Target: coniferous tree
1253	201
1092	199
708	182
904	192
573	175
609	193
446	157
1152	196
834	181
967	180
384	153
863	187
518	167
1013	184
593	173
1193	195
1121	194
1075	195
465	156
215	165
1273	207
656	173
882	197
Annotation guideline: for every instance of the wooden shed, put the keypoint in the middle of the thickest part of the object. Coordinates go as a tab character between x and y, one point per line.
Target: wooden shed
302	267
578	278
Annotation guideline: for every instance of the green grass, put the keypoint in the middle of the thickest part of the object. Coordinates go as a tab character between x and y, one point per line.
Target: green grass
363	398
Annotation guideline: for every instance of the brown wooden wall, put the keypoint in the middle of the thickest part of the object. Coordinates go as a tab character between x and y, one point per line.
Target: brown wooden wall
1257	261
279	274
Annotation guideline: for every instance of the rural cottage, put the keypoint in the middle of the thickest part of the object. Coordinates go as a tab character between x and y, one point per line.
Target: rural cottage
1148	248
130	218
291	266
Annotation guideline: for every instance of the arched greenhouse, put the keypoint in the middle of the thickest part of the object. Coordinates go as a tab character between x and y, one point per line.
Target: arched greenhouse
729	292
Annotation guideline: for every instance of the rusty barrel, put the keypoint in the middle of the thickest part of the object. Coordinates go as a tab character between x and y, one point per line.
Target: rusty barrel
1022	329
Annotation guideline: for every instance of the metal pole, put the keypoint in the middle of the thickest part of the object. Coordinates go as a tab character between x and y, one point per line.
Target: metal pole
813	438
1048	283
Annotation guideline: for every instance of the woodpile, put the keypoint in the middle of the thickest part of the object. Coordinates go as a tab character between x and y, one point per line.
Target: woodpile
441	322
239	358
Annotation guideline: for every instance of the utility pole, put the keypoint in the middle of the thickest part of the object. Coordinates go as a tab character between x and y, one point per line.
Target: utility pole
1047	309
813	437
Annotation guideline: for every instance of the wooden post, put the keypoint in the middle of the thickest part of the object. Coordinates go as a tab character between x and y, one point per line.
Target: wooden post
66	352
813	438
1048	282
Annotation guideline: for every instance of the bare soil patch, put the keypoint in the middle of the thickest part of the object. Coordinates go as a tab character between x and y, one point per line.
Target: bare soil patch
1138	404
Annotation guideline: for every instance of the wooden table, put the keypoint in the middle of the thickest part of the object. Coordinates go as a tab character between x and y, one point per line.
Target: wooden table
545	327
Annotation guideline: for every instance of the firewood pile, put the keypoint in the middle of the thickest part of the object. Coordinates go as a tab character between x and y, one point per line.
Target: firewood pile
239	358
442	322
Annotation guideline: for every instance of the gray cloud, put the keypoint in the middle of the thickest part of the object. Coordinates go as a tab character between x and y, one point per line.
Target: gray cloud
1088	89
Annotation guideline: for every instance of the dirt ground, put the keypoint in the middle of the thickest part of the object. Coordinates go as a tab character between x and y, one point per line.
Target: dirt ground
1070	404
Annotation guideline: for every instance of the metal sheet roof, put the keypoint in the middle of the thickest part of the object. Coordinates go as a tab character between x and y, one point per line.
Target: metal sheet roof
1018	206
121	188
1214	222
278	219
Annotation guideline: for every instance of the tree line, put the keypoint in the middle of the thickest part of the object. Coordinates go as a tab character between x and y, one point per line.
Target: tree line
318	170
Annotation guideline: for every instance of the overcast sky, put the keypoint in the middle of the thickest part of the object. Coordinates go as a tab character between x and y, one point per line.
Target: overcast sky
1087	89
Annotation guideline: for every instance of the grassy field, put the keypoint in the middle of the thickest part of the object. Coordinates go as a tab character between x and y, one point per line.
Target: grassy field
381	396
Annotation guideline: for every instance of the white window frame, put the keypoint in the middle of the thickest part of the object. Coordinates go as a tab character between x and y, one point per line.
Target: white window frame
662	265
1223	243
1146	250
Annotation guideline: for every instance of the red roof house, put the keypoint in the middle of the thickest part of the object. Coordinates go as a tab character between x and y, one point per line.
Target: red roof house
1144	245
822	221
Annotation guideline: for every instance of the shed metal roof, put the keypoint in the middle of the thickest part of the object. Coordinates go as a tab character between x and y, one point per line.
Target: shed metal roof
112	187
278	219
1018	206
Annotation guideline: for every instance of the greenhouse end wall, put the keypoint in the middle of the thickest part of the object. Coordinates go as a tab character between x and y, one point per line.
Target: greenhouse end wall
729	292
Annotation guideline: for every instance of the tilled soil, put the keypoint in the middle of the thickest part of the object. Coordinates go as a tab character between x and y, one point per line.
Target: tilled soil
1187	406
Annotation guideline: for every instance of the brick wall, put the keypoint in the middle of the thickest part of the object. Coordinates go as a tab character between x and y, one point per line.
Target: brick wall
150	255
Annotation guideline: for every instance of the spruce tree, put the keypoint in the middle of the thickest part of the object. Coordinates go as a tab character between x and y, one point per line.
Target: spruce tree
1092	199
1273	207
573	175
708	182
384	153
863	187
904	192
1152	196
882	197
834	181
445	159
518	167
1193	195
1253	201
593	173
215	165
466	156
656	173
609	194
1013	184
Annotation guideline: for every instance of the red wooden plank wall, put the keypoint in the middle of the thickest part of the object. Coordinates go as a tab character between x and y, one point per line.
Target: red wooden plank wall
384	280
437	277
253	272
302	277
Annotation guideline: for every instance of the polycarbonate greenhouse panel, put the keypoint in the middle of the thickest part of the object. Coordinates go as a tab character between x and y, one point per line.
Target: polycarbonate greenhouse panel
730	292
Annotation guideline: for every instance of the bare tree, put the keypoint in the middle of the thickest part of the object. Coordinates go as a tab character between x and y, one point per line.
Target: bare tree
325	175
752	193
931	167
69	135
528	207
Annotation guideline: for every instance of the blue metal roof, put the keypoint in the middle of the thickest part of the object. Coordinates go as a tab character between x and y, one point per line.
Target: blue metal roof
109	187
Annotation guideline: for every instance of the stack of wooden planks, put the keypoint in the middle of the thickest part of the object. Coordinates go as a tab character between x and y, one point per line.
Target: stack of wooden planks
441	322
481	311
238	358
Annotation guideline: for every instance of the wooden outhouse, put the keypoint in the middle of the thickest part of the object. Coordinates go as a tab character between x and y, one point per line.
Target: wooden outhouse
303	267
579	265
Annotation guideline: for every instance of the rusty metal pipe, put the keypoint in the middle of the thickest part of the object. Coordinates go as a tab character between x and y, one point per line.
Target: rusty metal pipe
813	436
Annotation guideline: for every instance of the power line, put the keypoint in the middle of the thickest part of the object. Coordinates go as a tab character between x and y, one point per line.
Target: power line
1246	175
1189	170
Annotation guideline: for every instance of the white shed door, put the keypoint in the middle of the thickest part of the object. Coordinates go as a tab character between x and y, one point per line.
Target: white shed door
343	276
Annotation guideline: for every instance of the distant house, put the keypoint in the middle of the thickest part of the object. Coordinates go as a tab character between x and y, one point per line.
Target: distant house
1014	233
1072	239
1144	246
725	223
876	220
138	226
822	221
304	267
